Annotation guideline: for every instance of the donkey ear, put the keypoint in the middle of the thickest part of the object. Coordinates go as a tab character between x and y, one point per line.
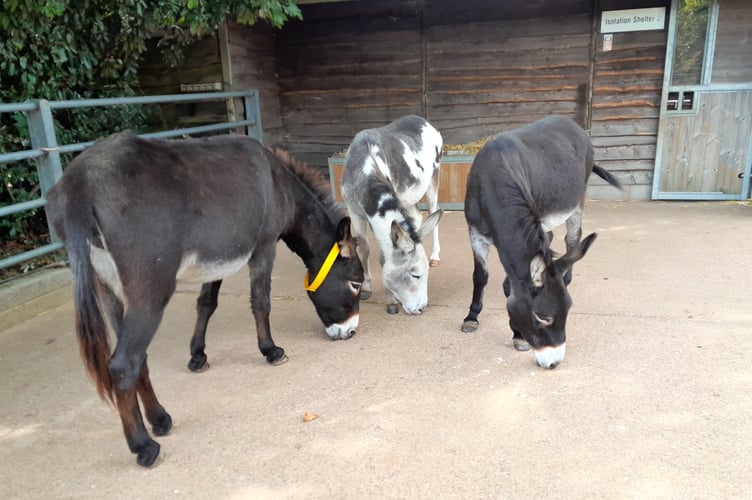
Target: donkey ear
344	239
400	238
578	252
430	223
538	270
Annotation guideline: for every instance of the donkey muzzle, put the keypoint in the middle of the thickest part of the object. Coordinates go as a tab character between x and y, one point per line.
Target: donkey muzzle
549	357
343	330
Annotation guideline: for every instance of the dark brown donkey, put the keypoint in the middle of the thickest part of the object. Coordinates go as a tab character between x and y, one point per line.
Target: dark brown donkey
138	215
522	184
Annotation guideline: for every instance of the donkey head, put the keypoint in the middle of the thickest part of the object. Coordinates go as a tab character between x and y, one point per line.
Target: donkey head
337	298
540	313
405	268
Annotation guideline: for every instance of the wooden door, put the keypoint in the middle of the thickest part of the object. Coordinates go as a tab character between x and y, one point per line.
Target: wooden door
705	134
707	152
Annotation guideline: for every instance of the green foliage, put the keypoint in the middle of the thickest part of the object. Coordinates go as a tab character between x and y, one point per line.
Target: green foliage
72	49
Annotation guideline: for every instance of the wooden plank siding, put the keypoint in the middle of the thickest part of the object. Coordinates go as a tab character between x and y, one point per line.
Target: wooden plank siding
625	107
487	77
253	65
472	68
201	64
339	76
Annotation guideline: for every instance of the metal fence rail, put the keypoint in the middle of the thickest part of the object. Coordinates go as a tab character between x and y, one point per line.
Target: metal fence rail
46	151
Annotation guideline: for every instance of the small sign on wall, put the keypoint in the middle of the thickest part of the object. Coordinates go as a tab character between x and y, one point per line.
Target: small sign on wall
617	21
608	42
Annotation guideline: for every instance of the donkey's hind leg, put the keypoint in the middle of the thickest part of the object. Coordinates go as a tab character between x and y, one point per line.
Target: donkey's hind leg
205	307
573	237
136	435
128	374
480	245
160	420
432	197
139	441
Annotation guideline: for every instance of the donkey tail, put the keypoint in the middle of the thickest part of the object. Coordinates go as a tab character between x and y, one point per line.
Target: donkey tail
91	329
607	176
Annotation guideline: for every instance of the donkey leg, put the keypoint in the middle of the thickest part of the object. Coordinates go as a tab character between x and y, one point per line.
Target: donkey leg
432	196
136	435
137	328
139	442
160	420
358	230
261	282
205	307
517	339
392	304
480	245
573	237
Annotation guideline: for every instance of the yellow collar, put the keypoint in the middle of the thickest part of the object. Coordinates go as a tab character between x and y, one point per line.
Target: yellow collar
324	271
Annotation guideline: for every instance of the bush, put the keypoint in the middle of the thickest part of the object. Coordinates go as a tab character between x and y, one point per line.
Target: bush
60	50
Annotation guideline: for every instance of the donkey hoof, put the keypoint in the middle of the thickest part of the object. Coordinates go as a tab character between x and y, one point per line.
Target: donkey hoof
198	363
392	308
163	425
149	453
365	294
433	262
521	344
280	361
277	356
470	326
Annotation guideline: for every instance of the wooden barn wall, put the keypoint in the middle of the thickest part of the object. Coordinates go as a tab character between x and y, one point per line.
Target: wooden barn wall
346	67
626	100
202	64
251	64
473	68
486	77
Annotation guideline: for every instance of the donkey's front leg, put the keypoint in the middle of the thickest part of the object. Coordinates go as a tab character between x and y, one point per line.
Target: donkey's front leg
432	196
392	304
205	307
358	230
518	340
480	245
261	282
573	237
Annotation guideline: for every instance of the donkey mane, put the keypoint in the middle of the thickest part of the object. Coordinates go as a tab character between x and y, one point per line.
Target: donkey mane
379	186
313	180
528	224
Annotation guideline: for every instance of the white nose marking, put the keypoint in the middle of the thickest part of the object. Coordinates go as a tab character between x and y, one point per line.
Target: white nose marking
550	357
343	330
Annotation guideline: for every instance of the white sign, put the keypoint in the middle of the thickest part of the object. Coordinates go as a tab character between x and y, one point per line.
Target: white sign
615	21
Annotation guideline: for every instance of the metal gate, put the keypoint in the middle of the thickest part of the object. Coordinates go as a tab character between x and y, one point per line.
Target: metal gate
46	150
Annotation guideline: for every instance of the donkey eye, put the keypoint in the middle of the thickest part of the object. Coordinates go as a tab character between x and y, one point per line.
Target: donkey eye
415	276
354	286
543	320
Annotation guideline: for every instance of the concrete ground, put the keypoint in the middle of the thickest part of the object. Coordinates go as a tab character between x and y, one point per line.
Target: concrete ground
653	400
